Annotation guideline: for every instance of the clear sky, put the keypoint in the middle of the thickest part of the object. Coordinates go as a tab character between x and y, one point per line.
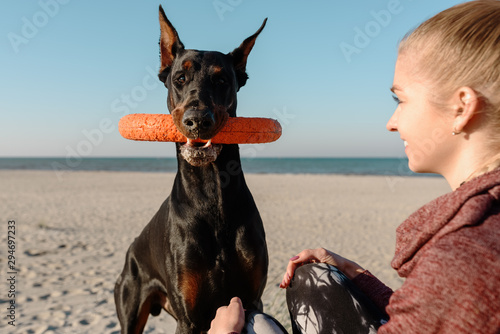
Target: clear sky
71	69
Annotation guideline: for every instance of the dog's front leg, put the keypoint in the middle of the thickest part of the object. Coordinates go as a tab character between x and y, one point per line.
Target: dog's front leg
131	308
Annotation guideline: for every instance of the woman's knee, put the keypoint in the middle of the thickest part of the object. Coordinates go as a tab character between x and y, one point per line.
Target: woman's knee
316	275
322	299
261	323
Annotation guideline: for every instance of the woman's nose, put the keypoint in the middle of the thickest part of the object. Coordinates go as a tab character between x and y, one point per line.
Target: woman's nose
392	124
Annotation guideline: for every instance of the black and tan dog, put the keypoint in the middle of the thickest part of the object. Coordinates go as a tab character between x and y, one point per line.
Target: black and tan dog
206	244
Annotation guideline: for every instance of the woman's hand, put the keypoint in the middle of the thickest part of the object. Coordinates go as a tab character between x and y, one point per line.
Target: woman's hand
229	318
320	255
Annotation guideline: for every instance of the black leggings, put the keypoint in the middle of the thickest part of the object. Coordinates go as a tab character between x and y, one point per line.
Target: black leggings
321	299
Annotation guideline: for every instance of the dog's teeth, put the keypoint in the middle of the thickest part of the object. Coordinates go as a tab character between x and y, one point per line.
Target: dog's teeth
209	142
189	142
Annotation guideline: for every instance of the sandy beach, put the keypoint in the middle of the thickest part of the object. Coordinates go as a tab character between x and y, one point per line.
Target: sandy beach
71	236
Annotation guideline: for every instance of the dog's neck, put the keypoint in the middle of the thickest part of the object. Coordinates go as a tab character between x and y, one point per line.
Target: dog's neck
223	176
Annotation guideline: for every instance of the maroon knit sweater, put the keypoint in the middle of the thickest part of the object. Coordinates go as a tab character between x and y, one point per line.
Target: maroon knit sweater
449	253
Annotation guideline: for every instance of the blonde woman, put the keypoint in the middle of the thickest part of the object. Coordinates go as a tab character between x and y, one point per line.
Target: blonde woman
447	86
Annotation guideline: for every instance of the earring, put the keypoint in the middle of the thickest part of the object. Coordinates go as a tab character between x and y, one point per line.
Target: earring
455	132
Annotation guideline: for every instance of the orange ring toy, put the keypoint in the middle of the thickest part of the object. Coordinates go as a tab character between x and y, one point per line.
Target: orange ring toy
237	130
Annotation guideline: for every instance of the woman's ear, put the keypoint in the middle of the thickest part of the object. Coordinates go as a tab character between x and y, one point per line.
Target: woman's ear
466	104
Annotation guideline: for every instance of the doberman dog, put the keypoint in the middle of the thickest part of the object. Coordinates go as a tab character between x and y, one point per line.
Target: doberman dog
206	244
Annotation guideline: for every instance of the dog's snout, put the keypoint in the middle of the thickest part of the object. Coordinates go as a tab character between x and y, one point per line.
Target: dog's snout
198	121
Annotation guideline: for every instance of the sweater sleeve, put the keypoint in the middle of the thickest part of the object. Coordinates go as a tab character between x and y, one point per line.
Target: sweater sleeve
452	289
373	288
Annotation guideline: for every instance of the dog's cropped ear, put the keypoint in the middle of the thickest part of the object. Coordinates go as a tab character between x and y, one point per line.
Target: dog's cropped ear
240	56
170	44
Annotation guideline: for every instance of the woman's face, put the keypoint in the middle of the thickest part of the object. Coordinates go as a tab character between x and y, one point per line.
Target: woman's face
425	129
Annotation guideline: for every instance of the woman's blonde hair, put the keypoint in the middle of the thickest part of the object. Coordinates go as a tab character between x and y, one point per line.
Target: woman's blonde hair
461	47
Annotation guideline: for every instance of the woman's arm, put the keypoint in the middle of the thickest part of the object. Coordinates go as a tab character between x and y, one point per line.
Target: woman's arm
372	287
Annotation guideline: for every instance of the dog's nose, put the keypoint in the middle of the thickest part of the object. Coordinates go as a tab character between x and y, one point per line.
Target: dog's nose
198	121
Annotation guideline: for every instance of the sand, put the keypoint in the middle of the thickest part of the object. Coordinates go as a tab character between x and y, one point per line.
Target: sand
72	235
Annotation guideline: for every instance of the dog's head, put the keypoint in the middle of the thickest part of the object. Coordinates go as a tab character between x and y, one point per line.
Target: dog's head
202	87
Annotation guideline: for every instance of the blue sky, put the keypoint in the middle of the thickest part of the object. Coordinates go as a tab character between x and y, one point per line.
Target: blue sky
71	69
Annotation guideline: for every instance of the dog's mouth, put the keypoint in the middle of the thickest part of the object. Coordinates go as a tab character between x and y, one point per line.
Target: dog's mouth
200	152
198	126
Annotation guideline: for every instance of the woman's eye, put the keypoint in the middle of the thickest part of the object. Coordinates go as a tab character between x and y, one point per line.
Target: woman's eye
398	101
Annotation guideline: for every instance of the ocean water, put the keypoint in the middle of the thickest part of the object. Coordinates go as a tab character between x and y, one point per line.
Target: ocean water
346	166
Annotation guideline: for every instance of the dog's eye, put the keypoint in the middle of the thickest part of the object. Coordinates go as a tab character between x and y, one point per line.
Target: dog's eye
219	81
181	79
